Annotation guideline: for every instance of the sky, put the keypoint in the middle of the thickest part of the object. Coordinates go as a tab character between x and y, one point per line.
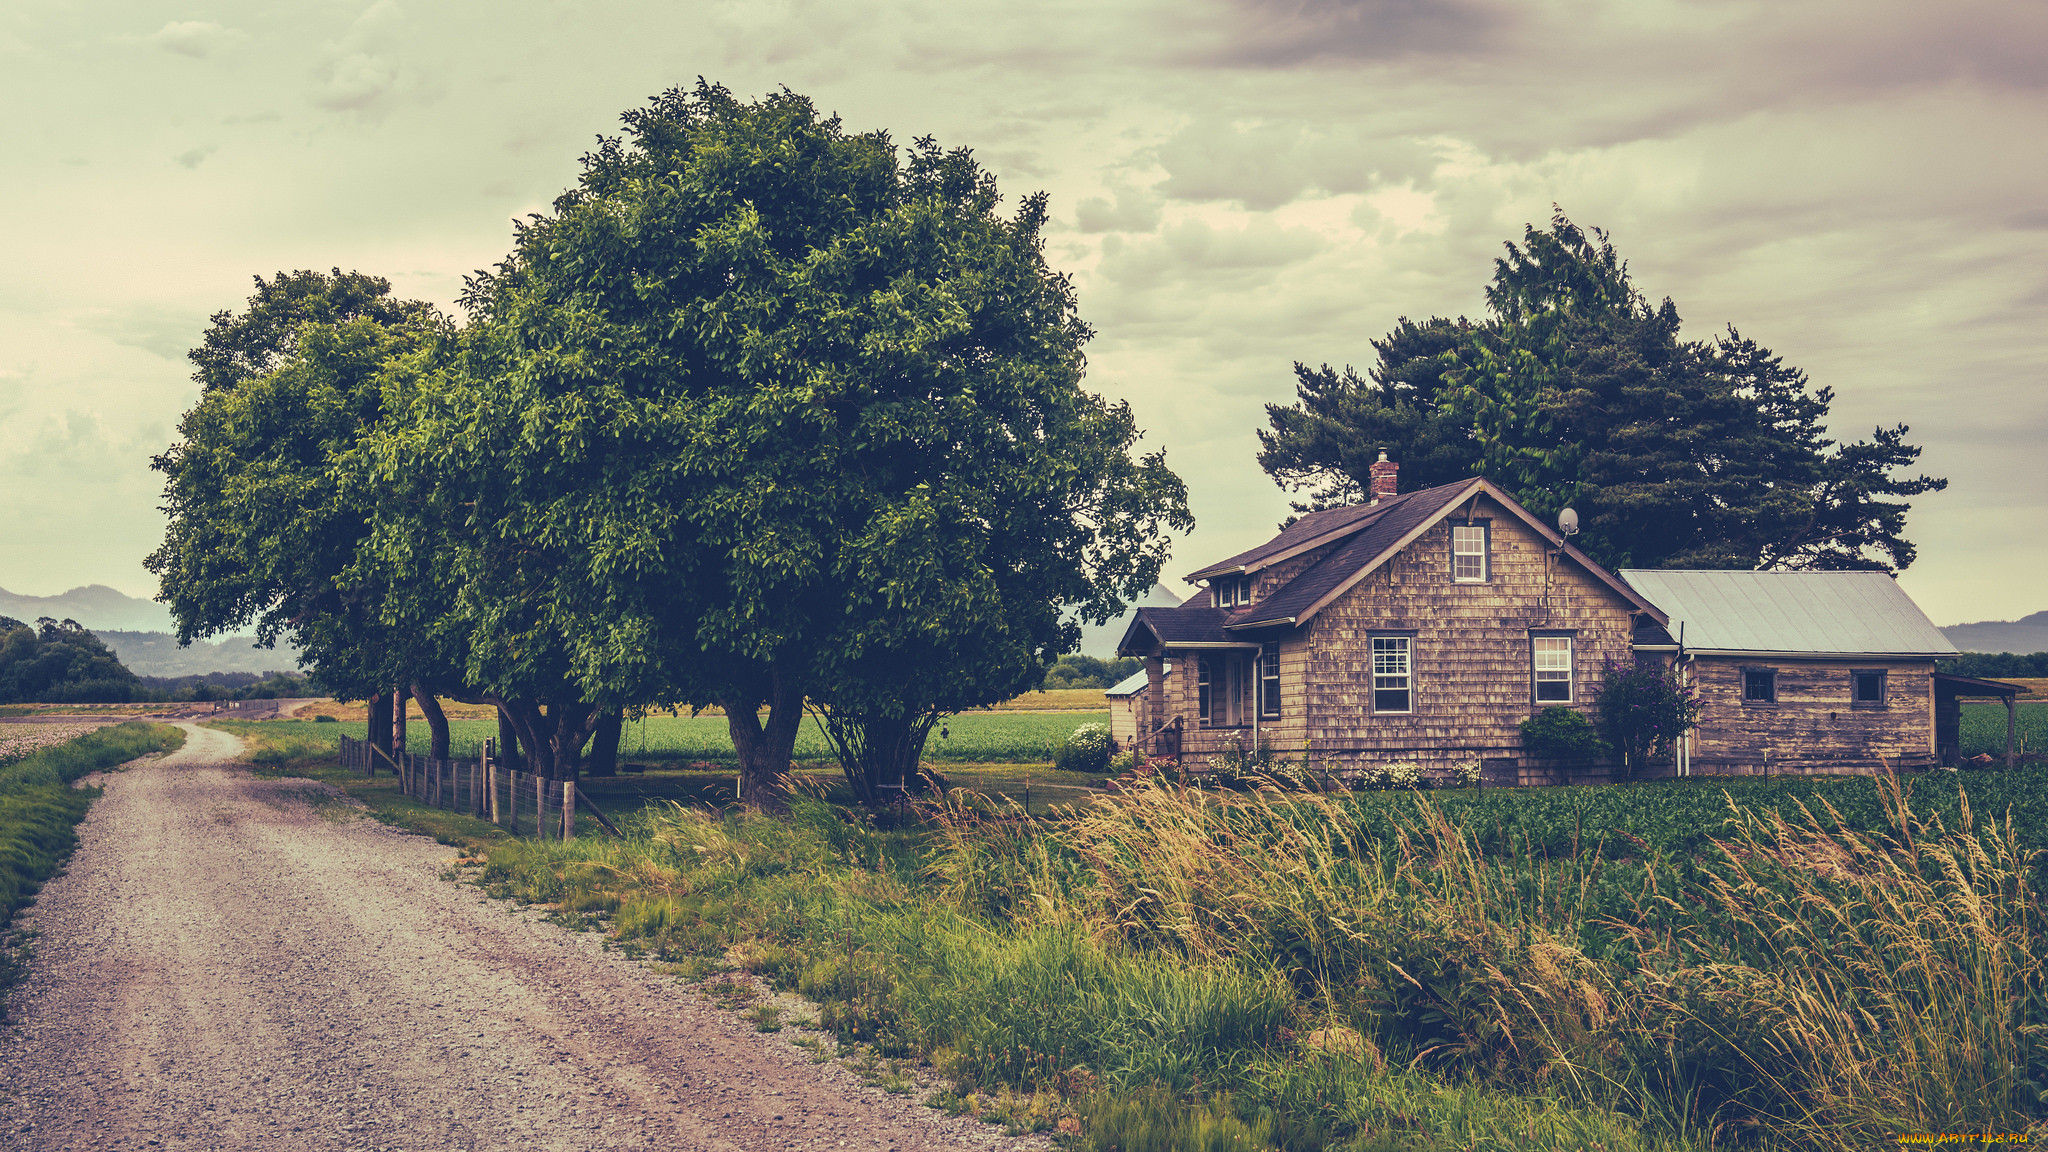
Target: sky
1236	185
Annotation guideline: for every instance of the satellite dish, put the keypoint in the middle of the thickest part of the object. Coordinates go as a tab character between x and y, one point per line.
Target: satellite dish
1568	522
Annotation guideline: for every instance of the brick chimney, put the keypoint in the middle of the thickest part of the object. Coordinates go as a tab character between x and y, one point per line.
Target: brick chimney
1385	478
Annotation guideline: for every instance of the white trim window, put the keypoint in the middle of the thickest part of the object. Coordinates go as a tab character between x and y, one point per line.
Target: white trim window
1551	657
1203	697
1468	553
1269	682
1393	674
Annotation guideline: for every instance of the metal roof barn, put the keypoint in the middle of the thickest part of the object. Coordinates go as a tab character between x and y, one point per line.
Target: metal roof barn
1846	613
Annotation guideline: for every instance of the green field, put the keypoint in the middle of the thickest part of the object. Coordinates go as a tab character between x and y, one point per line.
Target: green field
1984	729
974	738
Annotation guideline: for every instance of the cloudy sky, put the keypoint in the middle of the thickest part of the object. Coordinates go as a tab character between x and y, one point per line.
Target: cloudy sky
1236	186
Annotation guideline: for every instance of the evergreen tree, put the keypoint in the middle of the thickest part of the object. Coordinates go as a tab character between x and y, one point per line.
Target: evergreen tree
1576	390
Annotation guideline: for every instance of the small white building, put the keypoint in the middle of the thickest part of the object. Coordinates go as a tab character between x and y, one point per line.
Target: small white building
1126	705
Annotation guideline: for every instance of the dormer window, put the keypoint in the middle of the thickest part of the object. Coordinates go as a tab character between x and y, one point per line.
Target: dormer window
1469	560
1230	591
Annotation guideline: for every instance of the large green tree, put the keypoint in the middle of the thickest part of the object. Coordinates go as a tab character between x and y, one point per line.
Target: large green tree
267	513
1577	390
765	412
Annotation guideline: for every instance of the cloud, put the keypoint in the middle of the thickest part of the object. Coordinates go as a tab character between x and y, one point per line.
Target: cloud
1132	211
362	71
195	38
1287	33
192	157
1266	164
1195	254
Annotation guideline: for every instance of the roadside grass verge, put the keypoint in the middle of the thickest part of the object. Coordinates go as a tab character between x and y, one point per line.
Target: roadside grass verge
40	810
306	750
1807	963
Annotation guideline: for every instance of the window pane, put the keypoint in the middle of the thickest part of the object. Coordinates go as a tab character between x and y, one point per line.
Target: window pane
1468	552
1759	685
1869	688
1390	674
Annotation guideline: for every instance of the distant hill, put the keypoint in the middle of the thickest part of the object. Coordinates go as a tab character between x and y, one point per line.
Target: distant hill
1101	641
96	606
158	654
2026	634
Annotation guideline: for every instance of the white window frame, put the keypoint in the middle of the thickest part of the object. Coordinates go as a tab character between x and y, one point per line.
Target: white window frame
1398	653
1483	554
1205	692
1544	671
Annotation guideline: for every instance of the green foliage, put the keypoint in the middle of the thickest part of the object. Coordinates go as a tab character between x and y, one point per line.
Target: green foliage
1077	671
1577	390
1993	665
38	806
1085	750
1643	707
1560	733
765	412
59	662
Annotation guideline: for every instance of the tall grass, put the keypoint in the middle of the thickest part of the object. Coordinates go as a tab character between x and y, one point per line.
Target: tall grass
39	808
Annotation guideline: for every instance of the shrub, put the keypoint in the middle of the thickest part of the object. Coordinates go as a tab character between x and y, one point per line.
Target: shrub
1466	772
326	720
1122	762
1387	777
1559	733
1643	708
1087	750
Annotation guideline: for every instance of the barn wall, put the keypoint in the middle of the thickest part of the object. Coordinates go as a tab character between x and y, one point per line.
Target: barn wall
1813	726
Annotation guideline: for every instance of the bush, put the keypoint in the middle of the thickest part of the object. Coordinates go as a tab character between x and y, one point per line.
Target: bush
1087	750
1643	708
326	720
1122	762
1560	733
1387	777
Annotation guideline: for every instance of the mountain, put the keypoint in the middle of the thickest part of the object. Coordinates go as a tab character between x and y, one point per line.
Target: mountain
1100	641
96	606
2024	635
158	654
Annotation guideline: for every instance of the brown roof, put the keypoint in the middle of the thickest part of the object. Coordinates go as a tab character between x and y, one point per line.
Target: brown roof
1366	535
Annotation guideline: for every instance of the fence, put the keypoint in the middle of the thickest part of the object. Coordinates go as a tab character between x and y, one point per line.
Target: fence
519	802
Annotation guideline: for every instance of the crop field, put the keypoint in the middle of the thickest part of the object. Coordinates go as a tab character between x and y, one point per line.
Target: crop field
1984	729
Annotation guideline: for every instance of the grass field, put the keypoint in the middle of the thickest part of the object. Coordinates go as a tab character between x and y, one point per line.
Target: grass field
971	738
1984	729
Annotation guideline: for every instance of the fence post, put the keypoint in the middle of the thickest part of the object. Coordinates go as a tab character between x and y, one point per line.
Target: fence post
540	807
490	782
568	810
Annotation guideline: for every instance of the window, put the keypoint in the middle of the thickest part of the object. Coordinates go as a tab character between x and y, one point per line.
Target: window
1552	656
1759	686
1229	591
1202	699
1392	676
1469	553
1867	689
1269	681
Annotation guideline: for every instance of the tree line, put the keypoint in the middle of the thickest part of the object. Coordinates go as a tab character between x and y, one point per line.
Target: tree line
762	415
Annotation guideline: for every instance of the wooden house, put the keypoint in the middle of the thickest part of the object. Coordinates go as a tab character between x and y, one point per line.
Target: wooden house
1424	627
1421	628
1806	671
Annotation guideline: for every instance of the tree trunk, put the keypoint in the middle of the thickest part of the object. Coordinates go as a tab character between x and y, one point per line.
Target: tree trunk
437	721
536	746
764	750
400	739
604	747
380	723
508	743
572	725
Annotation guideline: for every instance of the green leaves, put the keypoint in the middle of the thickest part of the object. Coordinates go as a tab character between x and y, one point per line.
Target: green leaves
1578	391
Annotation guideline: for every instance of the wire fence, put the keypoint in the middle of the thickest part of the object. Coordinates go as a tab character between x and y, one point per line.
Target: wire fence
519	802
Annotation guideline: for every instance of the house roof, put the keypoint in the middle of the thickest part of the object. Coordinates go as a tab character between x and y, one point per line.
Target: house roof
1135	683
1366	536
1845	613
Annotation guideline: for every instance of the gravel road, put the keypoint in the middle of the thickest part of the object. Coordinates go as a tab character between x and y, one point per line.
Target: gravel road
238	963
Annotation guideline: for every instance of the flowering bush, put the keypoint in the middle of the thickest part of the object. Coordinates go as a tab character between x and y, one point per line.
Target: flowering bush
1466	773
1087	750
1643	708
1388	777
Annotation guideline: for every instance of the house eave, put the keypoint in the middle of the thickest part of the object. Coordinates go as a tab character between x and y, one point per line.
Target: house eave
1766	654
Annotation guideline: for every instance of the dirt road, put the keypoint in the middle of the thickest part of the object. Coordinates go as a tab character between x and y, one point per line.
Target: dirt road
226	965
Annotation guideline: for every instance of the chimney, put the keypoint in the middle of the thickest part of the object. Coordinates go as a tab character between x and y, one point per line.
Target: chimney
1385	478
